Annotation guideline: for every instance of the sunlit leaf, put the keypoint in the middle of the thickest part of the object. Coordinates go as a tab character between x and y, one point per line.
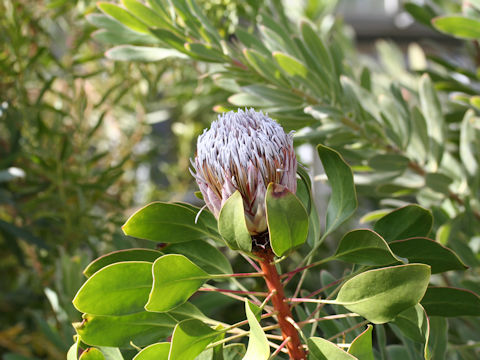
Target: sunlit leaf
322	349
380	295
189	339
175	279
158	351
258	348
148	255
117	289
361	346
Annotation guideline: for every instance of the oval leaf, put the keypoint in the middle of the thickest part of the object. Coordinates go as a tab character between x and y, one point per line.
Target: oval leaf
164	222
343	201
287	219
403	223
451	302
430	252
321	349
190	338
157	351
258	348
208	257
361	346
380	295
148	255
175	279
458	26
232	225
141	328
365	247
117	289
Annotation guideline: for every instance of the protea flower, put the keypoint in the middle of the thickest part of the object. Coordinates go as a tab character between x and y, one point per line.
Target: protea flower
244	151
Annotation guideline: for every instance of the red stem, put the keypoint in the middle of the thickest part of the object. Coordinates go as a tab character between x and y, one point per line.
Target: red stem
256	293
294	346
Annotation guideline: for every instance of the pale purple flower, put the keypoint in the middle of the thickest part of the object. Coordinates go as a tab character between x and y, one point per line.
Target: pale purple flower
244	151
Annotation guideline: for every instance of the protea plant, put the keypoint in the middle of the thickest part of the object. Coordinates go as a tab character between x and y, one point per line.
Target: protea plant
244	151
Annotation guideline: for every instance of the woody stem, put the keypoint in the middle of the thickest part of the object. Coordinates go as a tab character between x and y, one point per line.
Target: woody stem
272	278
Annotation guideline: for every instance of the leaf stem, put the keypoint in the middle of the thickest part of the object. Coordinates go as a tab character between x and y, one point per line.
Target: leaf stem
238	275
272	278
318	301
277	351
240	292
297	270
363	323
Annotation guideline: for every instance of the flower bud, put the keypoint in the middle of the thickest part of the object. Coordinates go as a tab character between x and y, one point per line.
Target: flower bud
244	151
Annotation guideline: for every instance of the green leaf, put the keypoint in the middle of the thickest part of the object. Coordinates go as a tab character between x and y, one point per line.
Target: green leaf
208	257
432	111
142	328
438	339
430	252
422	13
298	71
458	26
264	66
343	201
287	219
414	324
273	95
92	354
142	53
158	351
72	353
175	279
361	346
117	289
168	37
234	352
451	302
321	349
251	41
380	295
165	222
365	247
205	52
258	348
389	162
232	226
318	49
111	353
469	143
189	339
373	215
438	182
148	255
406	222
124	17
304	193
144	13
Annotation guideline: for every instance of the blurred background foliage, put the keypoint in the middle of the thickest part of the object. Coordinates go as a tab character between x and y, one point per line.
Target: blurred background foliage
85	137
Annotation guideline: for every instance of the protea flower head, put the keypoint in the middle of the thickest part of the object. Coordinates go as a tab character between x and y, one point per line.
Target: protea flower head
244	151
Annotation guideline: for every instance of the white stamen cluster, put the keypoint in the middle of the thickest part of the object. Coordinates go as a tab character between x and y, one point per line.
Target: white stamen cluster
244	151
